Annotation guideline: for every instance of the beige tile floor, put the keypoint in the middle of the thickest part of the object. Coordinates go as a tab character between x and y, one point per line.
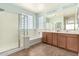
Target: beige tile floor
43	49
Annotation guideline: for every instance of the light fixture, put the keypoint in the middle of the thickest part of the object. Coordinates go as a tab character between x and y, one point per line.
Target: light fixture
1	9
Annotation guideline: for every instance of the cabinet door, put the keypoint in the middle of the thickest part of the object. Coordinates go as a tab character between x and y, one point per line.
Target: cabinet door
49	38
72	43
44	37
61	40
55	39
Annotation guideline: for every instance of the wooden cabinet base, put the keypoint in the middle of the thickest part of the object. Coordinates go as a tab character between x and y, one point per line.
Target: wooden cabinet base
61	40
72	44
66	41
55	39
62	48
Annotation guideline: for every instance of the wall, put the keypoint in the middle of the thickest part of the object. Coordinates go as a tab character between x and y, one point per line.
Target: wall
8	7
8	31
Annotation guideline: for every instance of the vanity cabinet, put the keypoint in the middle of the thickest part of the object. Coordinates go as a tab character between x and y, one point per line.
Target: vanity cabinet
44	37
55	39
49	38
63	40
72	42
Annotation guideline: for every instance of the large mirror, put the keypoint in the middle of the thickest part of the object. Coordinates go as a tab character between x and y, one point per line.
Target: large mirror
65	20
69	23
55	23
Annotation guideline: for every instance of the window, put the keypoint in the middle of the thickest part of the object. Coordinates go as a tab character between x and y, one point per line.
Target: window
41	22
30	22
27	26
27	22
22	22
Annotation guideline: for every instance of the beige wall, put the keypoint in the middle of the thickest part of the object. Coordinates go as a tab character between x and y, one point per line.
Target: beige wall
8	31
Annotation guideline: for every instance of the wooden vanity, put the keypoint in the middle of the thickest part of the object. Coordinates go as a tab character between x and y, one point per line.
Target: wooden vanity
63	40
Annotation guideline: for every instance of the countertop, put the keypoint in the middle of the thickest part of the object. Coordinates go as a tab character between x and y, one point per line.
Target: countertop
65	32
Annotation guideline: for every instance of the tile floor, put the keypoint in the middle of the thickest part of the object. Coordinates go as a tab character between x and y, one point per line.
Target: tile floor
43	49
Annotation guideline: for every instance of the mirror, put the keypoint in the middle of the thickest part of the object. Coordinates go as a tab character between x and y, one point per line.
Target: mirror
78	19
65	20
58	26
69	23
55	23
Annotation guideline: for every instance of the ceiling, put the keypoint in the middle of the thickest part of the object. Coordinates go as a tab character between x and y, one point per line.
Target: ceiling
42	7
65	12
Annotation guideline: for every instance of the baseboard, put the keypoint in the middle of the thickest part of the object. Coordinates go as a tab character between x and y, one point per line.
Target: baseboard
32	42
11	51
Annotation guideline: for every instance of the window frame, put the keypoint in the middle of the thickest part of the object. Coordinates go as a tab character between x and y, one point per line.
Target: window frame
22	23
